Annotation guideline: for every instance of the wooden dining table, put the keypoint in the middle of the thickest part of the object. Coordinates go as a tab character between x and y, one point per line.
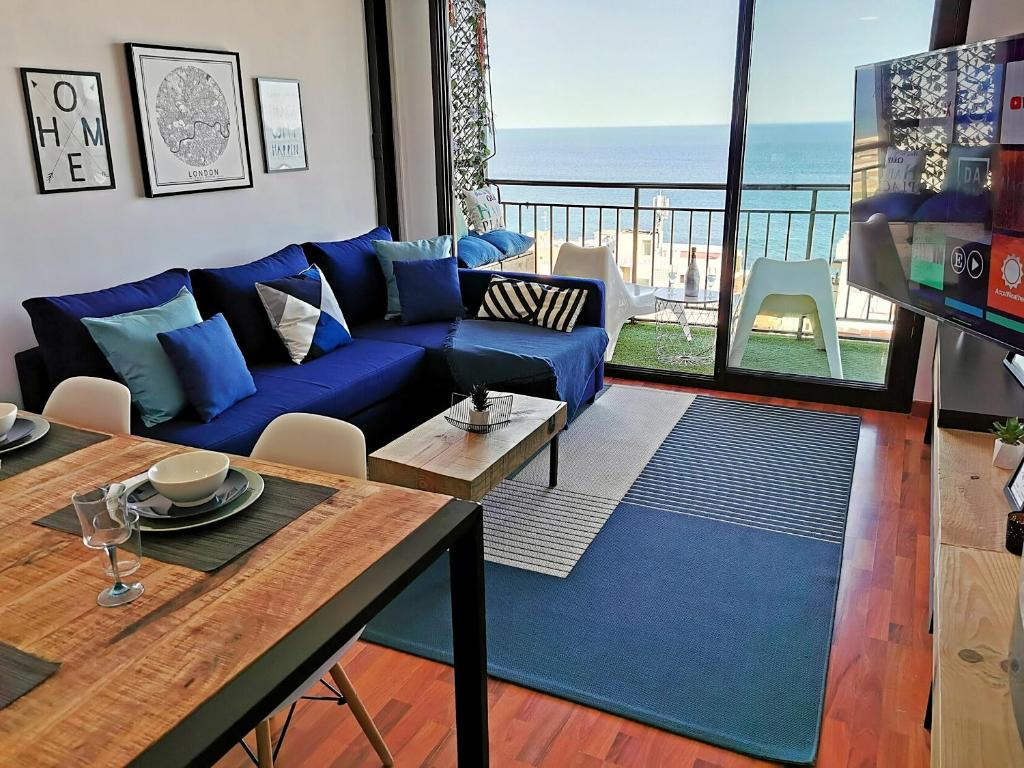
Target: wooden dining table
184	672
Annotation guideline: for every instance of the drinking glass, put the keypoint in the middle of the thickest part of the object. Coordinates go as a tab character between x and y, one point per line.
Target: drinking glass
107	521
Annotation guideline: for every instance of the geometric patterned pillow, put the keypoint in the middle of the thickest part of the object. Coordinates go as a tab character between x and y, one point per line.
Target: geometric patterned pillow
535	303
305	314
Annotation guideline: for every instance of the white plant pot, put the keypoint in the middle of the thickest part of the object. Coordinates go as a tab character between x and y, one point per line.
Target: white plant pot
1007	456
479	418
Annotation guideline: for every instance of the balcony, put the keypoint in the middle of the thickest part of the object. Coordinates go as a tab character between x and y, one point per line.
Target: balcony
653	229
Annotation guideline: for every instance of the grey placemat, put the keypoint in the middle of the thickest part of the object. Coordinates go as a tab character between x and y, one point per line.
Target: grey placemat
55	444
210	547
20	672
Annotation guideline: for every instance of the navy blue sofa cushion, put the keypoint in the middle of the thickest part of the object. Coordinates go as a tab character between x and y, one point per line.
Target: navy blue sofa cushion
430	336
353	272
339	384
232	292
66	345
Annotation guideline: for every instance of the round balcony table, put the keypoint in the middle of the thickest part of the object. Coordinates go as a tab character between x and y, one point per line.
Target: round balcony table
675	313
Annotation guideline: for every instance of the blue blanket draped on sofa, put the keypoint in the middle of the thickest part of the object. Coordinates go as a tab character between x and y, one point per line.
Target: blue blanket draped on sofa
495	353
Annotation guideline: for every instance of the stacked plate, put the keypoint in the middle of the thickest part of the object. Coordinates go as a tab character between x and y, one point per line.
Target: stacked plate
240	489
26	430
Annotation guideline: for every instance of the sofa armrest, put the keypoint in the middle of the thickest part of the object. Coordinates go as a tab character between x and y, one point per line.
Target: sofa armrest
33	378
474	284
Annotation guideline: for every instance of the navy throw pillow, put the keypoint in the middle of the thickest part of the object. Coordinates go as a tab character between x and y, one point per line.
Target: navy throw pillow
68	349
209	365
429	290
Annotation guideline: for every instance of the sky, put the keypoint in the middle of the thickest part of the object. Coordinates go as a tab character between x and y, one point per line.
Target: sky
588	63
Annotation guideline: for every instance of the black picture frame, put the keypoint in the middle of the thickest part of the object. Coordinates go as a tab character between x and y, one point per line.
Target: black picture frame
1015	499
37	159
263	126
148	169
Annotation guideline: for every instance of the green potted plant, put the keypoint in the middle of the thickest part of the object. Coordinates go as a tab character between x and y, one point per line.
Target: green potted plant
1009	447
479	405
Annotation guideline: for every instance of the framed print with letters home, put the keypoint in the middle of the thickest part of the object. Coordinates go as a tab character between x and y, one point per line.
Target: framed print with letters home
190	116
68	126
284	136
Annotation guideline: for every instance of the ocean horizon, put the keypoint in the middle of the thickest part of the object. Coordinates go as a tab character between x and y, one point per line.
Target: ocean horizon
775	153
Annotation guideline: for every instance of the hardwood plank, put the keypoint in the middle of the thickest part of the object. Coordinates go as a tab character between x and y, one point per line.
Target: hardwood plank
970	491
975	594
438	457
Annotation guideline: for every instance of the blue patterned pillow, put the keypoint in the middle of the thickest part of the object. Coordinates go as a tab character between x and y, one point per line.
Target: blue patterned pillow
305	314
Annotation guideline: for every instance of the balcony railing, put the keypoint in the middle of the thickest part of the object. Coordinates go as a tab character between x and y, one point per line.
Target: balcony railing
653	227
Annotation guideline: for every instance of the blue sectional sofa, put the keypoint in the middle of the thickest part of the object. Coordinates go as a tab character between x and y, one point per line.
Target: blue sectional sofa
389	379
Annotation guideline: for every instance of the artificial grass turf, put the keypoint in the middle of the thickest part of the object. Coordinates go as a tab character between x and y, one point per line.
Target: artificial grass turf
775	352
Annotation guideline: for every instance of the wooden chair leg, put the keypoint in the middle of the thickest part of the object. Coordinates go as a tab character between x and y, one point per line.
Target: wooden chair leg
264	745
362	716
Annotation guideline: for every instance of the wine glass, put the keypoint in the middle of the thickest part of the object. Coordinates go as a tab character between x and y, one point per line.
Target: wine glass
107	520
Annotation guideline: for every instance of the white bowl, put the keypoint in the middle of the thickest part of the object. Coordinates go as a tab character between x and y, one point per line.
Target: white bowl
190	479
8	415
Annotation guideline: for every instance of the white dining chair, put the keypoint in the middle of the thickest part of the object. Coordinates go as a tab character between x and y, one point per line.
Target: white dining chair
92	403
622	301
321	444
786	289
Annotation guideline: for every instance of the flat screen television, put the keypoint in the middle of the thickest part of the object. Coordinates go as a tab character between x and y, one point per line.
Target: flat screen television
937	193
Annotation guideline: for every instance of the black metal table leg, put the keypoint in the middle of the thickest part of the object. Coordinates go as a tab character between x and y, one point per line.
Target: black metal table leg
469	641
553	467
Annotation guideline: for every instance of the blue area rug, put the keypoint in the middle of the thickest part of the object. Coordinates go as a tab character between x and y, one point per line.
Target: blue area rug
705	604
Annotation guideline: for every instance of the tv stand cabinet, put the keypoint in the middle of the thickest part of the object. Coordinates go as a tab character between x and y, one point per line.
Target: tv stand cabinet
974	587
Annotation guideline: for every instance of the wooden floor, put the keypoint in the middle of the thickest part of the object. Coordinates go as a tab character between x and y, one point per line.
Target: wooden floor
877	683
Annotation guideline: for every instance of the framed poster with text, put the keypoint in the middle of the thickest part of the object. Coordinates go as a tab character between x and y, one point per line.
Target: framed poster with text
68	125
284	136
190	117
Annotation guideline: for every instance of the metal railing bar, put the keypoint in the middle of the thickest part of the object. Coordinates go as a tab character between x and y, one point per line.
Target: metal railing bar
699	186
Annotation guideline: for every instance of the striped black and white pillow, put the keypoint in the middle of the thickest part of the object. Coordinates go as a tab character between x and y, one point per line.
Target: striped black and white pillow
560	308
534	303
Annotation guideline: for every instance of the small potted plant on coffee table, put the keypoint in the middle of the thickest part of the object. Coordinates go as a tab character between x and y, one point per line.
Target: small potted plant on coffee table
479	407
1009	446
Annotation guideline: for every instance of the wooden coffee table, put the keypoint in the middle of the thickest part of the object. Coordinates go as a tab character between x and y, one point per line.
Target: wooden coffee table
438	457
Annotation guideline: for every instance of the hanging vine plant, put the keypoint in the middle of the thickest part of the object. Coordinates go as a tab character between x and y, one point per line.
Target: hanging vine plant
473	141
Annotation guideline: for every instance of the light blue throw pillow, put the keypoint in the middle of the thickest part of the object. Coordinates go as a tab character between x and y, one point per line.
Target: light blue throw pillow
389	252
129	342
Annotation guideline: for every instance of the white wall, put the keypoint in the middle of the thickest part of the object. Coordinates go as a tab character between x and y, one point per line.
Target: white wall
51	244
411	83
989	18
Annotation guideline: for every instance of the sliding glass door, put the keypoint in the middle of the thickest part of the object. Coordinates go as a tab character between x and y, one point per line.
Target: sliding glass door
733	179
794	313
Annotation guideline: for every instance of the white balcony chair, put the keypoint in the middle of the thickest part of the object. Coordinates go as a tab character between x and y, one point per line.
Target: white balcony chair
786	289
623	301
321	444
92	403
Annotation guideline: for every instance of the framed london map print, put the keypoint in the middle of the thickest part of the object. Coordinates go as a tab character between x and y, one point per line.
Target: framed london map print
68	125
190	116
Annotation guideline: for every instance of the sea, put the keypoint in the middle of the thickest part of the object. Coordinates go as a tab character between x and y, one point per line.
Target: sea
801	153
